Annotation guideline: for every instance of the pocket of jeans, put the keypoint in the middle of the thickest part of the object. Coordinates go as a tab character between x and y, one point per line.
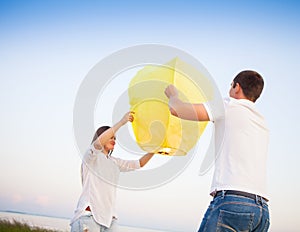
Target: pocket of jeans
233	221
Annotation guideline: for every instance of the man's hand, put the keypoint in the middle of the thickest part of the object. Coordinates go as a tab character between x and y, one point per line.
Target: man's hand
171	91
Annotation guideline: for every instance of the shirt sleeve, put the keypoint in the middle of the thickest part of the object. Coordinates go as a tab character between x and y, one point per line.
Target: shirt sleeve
91	154
126	165
208	110
215	109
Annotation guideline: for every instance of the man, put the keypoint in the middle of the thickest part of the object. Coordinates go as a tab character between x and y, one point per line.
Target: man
239	182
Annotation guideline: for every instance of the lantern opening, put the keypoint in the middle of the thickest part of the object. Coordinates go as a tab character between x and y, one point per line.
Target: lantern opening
164	151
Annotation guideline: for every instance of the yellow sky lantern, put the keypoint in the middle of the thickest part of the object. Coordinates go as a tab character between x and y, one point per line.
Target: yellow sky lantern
155	129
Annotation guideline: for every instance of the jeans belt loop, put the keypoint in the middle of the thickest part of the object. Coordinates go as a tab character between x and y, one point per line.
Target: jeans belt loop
259	200
223	193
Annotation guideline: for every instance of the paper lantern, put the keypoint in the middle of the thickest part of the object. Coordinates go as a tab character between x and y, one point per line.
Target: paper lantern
155	129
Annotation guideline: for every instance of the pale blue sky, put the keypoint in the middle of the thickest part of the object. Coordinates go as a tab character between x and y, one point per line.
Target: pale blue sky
48	47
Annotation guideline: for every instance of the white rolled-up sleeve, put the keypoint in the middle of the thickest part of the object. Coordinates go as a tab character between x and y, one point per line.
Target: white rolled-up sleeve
126	165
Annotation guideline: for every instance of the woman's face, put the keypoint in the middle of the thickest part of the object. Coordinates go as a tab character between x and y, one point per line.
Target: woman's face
110	144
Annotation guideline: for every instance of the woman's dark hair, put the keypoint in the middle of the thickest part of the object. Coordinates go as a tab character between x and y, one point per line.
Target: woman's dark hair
100	131
251	83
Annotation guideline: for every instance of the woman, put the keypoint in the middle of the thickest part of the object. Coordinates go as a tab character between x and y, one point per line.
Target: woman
100	173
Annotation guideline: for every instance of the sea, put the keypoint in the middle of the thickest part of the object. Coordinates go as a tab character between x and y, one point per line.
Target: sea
54	223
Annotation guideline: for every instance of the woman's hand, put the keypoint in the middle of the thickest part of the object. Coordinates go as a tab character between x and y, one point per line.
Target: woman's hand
128	117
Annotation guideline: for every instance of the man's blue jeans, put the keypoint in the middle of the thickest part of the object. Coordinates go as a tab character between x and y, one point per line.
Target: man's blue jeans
236	213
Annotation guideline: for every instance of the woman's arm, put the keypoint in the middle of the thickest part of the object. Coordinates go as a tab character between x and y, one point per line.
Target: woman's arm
108	134
145	159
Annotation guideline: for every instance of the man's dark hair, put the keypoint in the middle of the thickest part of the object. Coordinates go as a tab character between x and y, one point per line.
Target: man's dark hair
251	83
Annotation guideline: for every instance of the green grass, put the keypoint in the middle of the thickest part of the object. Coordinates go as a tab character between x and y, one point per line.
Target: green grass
15	226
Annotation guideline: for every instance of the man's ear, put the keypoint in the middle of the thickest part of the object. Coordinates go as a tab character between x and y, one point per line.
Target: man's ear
237	88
